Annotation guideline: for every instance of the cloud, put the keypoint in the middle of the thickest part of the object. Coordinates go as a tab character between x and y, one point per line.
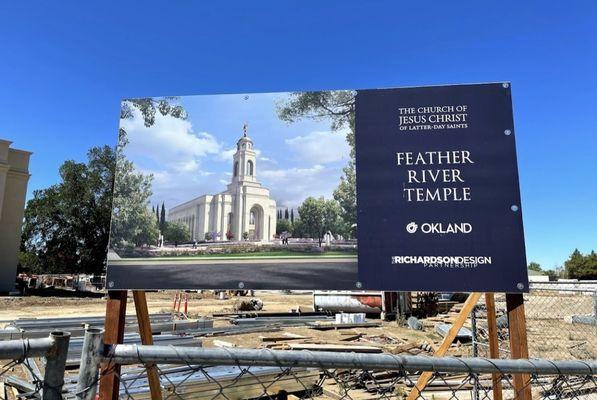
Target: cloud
226	155
290	187
169	143
320	146
174	154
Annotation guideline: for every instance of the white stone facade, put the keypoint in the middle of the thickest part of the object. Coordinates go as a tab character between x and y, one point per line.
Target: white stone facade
14	176
245	206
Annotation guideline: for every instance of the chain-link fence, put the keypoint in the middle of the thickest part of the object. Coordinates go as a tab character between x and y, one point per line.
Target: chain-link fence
561	321
560	326
215	373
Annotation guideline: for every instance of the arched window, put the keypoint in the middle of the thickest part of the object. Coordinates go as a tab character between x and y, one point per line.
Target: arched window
250	168
236	168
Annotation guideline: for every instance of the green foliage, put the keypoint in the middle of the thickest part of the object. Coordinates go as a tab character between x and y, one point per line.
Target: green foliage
291	215
533	266
163	218
176	232
283	225
246	235
298	229
319	216
66	226
132	221
338	107
149	106
579	266
346	195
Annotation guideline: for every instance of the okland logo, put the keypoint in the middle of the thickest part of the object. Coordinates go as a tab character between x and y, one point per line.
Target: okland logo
411	227
439	228
443	261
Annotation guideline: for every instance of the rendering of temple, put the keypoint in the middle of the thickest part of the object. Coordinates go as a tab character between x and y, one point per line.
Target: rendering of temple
243	209
14	176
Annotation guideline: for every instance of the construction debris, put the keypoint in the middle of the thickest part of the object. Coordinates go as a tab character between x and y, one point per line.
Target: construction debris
248	305
463	335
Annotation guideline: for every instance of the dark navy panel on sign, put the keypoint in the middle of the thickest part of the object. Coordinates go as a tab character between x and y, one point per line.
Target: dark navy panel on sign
437	190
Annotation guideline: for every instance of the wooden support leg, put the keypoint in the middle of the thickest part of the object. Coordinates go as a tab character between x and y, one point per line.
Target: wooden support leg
494	344
518	342
147	339
473	298
113	334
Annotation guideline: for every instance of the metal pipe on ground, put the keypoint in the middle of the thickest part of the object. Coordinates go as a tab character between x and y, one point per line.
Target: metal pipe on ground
131	354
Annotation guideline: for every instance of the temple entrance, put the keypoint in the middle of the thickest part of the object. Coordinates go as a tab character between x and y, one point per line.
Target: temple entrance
256	223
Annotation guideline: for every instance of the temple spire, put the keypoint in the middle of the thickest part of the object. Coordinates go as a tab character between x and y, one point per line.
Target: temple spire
245	127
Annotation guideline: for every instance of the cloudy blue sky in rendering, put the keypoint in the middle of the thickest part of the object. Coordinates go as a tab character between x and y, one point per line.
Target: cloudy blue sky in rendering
193	157
65	66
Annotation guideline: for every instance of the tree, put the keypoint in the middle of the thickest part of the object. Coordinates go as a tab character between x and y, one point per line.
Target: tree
132	221
298	229
286	215
291	215
318	216
163	218
533	266
338	107
579	266
283	225
176	232
66	226
132	189
148	231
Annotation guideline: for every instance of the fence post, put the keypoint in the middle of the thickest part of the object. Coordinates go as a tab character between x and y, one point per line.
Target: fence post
475	350
55	365
91	356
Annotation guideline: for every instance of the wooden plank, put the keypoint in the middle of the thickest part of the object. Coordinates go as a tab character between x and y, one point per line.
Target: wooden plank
334	347
518	342
223	343
466	309
494	344
147	339
285	336
113	334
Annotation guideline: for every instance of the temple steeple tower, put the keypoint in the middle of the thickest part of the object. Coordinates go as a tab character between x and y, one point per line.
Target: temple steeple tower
244	160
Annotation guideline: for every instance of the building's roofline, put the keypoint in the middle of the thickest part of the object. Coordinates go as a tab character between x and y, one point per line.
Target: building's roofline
20	151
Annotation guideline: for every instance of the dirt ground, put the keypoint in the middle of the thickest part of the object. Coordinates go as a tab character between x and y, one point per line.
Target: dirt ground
200	304
548	333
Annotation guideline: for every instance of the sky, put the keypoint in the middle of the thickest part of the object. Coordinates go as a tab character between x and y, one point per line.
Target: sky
65	67
192	157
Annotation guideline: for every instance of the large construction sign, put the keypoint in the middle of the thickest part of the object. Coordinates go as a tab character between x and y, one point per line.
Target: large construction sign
394	189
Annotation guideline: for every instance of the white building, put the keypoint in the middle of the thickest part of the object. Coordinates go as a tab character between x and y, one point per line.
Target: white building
244	207
14	175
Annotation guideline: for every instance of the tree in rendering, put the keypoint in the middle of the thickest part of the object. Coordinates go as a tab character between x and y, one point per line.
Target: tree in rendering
337	106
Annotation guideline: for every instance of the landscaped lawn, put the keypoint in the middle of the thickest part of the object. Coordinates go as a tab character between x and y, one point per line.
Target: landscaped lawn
264	254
